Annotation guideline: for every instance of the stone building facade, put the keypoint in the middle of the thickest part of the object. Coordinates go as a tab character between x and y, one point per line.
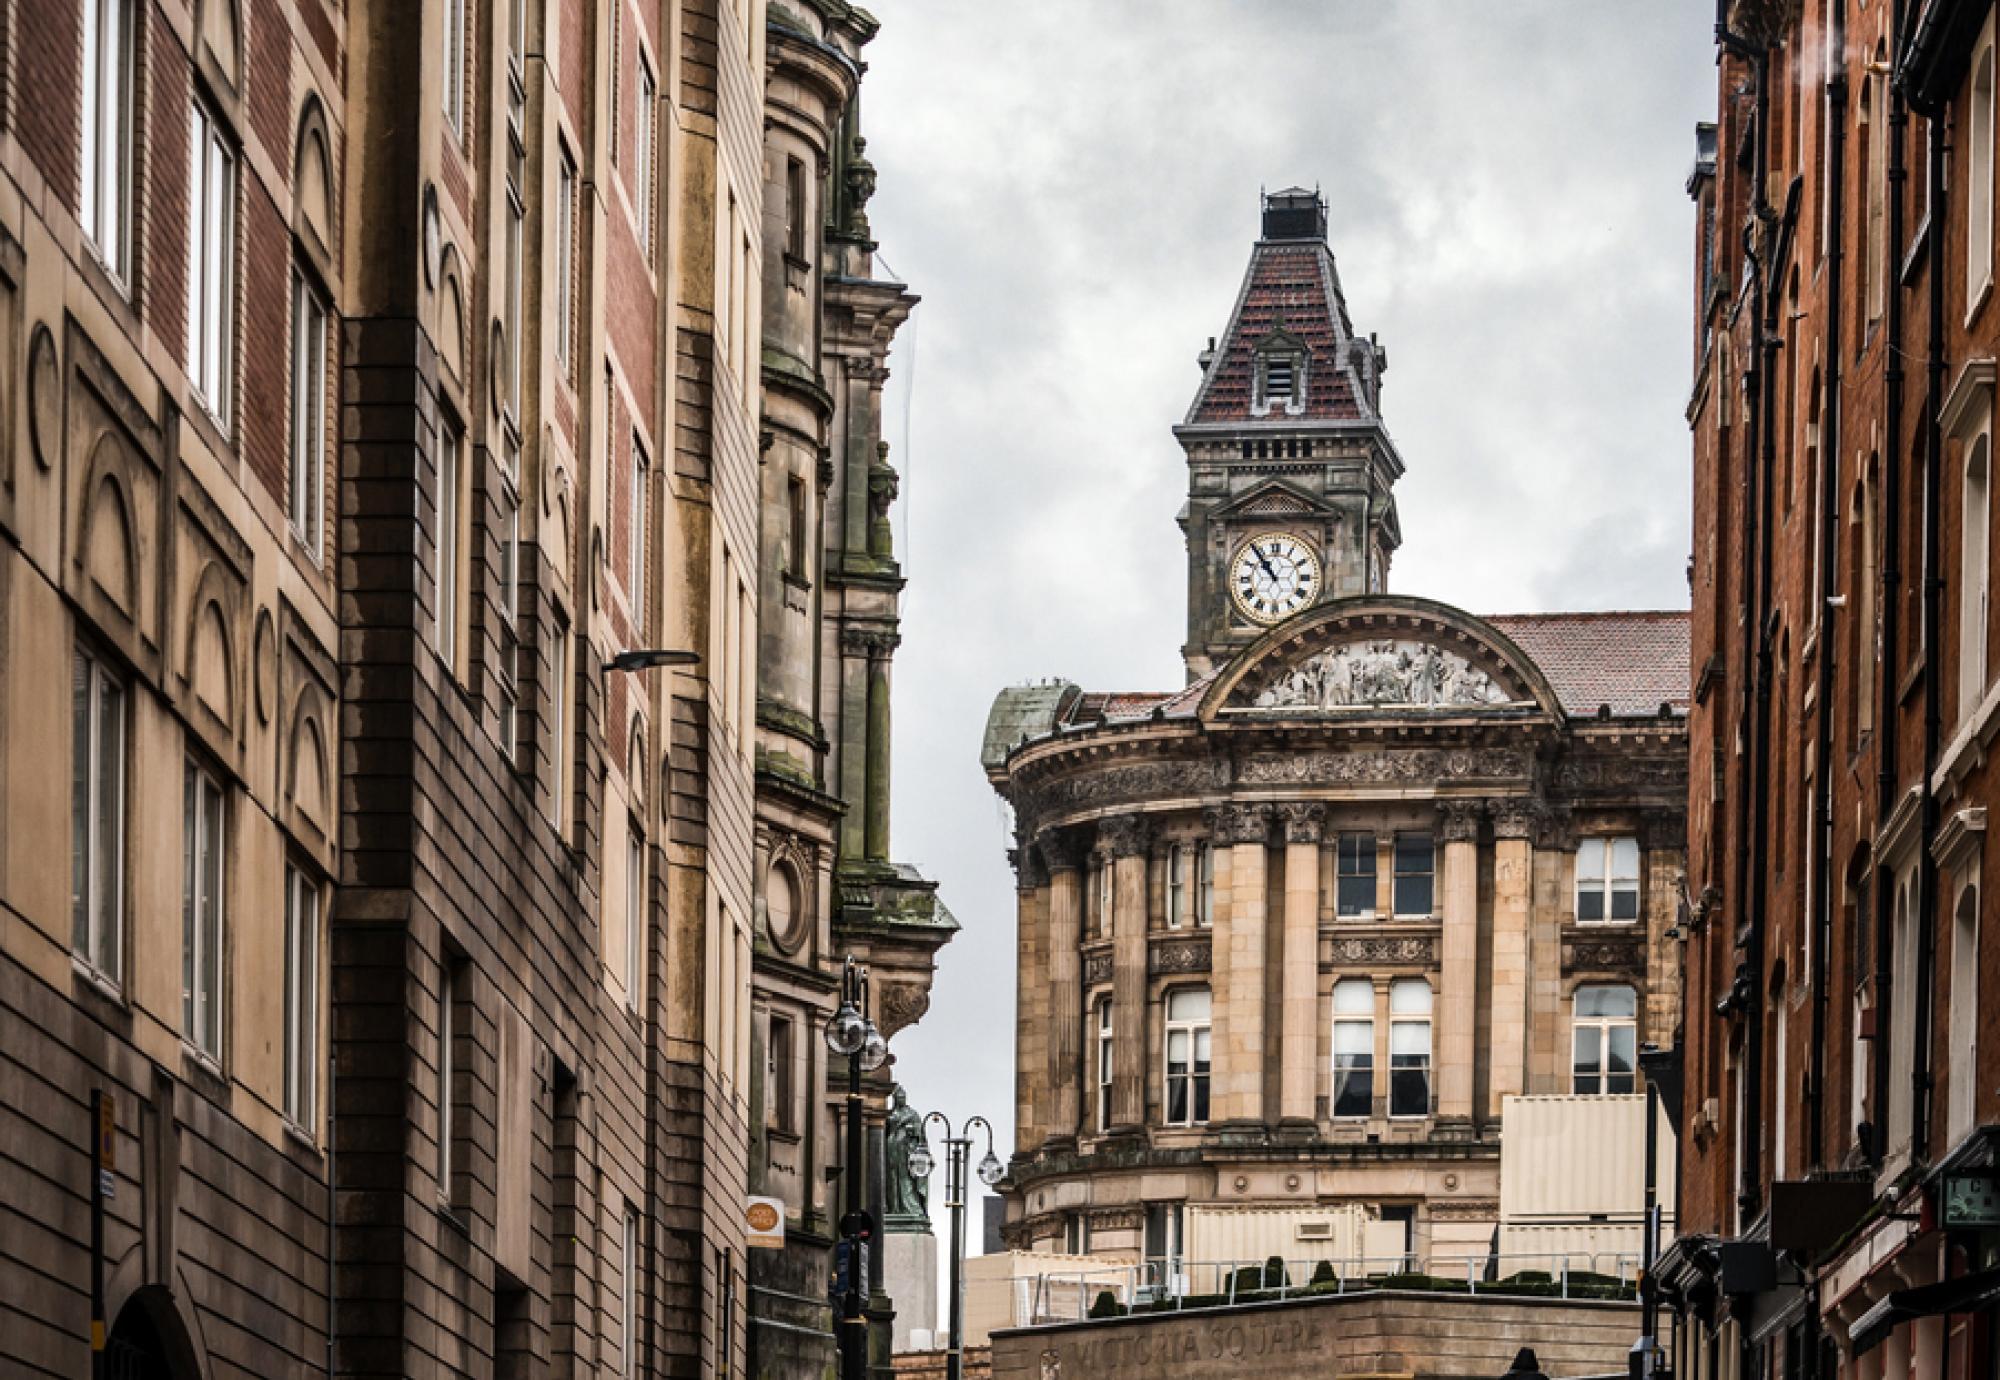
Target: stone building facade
1289	936
1838	1038
371	374
829	587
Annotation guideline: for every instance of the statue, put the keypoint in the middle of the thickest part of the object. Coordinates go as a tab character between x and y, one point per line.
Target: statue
1383	672
908	1196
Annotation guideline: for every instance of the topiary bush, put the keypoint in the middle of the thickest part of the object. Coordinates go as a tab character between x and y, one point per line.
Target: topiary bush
1106	1305
1323	1273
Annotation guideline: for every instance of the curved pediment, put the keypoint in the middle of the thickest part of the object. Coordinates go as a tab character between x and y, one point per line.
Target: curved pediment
1380	653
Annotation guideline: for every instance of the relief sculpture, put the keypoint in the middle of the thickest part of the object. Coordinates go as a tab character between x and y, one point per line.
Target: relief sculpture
1384	672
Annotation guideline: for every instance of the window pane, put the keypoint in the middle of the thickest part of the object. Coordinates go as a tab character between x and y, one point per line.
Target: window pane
1621	1059
1188	1004
1625	901
1409	1040
190	898
107	898
1589	901
1625	858
1409	1090
1606	1001
1590	858
1354	1087
1354	996
1410	997
82	777
1355	888
1587	1059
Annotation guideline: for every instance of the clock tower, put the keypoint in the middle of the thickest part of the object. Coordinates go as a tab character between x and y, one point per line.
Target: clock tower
1290	470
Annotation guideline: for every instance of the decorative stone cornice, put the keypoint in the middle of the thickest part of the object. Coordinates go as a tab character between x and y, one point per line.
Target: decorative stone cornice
1303	822
1613	953
1458	821
1124	836
1234	824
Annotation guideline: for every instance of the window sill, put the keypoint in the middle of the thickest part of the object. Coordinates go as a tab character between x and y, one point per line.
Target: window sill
1975	299
1968	745
301	1138
204	1074
214	428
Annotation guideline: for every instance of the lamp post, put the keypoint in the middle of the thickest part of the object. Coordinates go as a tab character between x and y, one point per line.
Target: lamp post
851	1034
957	1150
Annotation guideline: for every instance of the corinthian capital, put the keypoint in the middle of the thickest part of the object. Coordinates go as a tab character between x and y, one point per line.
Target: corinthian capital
1515	817
1123	836
1060	849
1458	821
1233	824
1303	822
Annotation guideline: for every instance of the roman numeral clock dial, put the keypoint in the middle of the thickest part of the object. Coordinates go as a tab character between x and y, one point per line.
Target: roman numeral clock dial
1273	576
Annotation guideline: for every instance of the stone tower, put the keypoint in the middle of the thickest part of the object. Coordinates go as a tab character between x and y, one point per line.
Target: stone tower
1290	470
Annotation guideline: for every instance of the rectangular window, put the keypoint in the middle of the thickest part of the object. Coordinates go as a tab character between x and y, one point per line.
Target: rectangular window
1607	880
628	1297
1107	894
1975	572
1204	861
1604	1050
635	912
451	448
559	744
202	844
211	260
1979	175
516	223
454	66
510	583
451	984
1355	887
105	188
635	578
1277	379
301	997
1104	1063
801	534
779	1075
308	468
1353	1047
1409	1047
1416	870
795	208
97	816
642	170
1961	1068
565	261
1187	1031
1176	886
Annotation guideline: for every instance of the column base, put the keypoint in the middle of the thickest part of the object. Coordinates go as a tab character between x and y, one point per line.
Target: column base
1294	1129
1454	1128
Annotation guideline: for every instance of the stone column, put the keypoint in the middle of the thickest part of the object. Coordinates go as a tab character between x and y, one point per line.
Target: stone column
1031	892
1513	880
1662	862
1065	986
1458	997
1298	1019
1125	839
875	817
1238	1044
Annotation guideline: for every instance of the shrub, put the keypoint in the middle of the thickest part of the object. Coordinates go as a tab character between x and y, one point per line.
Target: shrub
1323	1273
1106	1305
1274	1273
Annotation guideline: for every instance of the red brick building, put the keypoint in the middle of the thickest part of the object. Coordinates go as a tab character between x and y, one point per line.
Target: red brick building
1835	1057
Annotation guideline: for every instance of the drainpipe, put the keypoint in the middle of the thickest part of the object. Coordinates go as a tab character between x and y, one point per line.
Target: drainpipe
1829	538
1933	592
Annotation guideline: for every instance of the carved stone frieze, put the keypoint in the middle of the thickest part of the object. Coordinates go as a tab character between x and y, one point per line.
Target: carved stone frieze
1515	817
1128	783
1131	1218
1662	829
1123	836
1384	948
1554	829
1060	849
1097	967
1395	672
1463	1209
1625	953
1415	765
1179	956
1031	870
1622	773
1303	822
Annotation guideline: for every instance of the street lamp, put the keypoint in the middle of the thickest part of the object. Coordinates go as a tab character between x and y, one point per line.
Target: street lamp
646	658
852	1036
957	1149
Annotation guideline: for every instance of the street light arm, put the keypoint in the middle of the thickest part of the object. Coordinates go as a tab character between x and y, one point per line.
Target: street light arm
985	1126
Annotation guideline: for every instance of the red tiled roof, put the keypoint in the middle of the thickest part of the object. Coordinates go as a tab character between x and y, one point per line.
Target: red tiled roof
1138	704
1290	285
1633	662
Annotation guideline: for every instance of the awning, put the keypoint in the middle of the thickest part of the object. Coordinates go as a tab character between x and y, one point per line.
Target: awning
1966	1294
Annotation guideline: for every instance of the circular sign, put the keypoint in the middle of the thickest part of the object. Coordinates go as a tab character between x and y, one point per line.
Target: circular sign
762	1217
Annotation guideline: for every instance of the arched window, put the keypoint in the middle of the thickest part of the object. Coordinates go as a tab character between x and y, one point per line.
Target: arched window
1961	1063
1979	176
1409	1047
1975	571
1353	1047
1604	1042
1186	1043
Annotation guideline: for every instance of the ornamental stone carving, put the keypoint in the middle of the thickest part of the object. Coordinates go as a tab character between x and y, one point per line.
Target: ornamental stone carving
1515	817
1137	781
1234	824
1555	829
862	639
1097	967
1417	765
1303	823
1662	829
899	1005
1123	836
1623	954
1179	956
1060	849
1384	948
1031	871
1399	673
1458	821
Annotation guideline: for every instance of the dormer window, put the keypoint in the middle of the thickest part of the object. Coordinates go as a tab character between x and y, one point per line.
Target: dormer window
1280	379
1277	380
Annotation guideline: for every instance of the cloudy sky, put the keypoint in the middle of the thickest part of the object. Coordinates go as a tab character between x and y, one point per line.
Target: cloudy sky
1071	186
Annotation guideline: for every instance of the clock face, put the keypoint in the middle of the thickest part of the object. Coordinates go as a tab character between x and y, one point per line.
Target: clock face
1273	576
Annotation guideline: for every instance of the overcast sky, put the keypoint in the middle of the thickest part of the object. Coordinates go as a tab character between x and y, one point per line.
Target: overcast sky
1071	186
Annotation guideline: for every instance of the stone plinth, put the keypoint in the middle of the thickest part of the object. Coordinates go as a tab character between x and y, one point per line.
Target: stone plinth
910	1275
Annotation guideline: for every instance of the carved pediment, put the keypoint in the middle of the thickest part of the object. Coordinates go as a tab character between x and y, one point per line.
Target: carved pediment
1382	672
1273	499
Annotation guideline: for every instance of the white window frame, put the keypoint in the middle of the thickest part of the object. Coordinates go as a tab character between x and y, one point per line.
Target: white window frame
1353	1012
1107	893
559	727
307	489
302	999
1980	131
1975	567
204	888
1365	849
642	171
1962	1061
211	284
454	66
637	536
104	184
1398	874
1105	1059
1204	866
1602	1027
1598	871
445	581
1196	1033
510	641
628	1295
1176	886
1405	1017
513	235
100	735
566	197
635	910
450	975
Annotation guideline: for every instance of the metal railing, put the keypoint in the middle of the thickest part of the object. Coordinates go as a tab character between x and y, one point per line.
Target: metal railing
1173	1285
